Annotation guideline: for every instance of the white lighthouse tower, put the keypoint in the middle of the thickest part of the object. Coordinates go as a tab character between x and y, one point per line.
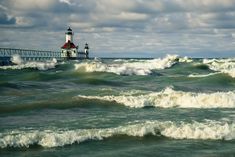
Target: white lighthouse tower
86	51
69	50
69	35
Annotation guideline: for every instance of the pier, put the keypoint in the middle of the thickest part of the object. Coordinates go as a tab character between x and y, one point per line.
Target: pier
33	55
68	51
28	55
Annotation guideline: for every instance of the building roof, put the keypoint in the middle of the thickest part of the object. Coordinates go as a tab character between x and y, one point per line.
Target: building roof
68	45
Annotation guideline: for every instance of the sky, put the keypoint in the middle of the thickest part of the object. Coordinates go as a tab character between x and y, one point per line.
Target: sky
122	28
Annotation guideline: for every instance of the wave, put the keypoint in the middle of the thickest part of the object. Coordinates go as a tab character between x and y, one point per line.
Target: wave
16	59
33	65
142	67
222	65
213	130
20	64
185	60
168	98
203	75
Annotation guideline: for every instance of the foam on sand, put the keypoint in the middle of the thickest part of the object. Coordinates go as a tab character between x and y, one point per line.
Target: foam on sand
142	67
213	130
170	98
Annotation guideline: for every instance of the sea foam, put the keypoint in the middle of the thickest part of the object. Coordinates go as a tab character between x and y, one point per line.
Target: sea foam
142	67
222	65
16	59
213	130
185	59
170	98
20	64
203	75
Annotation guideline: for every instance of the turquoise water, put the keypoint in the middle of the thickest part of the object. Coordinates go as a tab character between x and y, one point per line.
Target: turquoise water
170	106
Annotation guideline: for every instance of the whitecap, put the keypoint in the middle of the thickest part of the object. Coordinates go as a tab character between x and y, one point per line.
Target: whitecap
40	65
16	59
185	60
168	98
213	130
226	66
142	67
203	75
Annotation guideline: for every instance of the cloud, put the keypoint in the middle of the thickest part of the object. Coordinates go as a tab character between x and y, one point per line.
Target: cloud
206	5
6	20
67	2
27	5
133	26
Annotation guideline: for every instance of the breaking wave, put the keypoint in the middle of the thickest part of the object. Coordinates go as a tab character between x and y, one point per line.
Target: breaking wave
222	65
185	60
143	67
20	64
16	59
203	75
170	98
213	130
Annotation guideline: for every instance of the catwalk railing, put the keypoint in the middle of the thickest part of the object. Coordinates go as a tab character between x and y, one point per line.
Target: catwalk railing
26	54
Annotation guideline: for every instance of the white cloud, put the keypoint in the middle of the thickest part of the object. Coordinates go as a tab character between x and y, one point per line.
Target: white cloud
25	5
206	5
66	1
22	21
131	16
133	26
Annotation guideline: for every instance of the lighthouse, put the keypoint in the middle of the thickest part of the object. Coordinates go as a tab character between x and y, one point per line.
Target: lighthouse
86	51
69	50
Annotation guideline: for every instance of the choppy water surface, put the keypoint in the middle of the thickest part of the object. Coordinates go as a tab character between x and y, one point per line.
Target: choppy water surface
172	106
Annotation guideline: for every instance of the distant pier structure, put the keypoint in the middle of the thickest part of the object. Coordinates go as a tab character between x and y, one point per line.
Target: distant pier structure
68	51
27	55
